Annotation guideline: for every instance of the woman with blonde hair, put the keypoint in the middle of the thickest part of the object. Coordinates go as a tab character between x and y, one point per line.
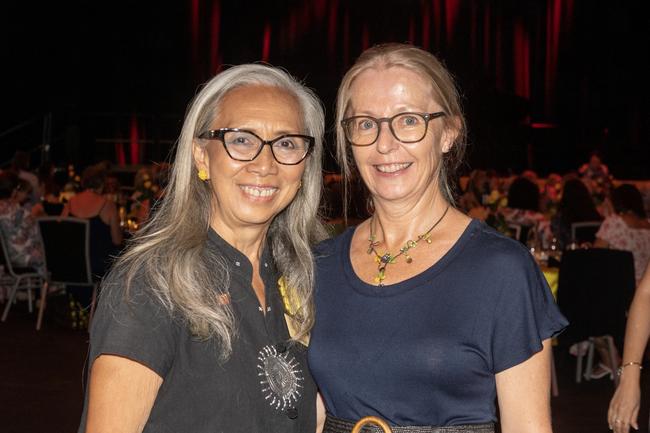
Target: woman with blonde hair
190	333
424	316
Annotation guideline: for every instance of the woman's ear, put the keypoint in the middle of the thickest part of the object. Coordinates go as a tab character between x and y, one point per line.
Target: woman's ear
450	134
201	158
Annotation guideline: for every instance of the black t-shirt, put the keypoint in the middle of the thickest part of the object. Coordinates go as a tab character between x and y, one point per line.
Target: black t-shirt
425	351
264	387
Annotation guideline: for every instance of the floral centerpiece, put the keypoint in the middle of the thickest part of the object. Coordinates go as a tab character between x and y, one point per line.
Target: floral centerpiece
494	203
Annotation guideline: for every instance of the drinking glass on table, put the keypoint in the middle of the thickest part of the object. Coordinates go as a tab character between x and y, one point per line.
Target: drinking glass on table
535	246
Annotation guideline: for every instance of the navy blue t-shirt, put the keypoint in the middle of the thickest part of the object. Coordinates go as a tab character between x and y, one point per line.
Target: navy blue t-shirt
425	351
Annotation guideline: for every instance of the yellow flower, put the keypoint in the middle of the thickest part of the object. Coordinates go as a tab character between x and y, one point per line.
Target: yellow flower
493	197
290	304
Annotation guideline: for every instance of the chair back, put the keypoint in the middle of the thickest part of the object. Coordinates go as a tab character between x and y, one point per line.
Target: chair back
515	231
520	232
584	231
4	256
66	243
595	289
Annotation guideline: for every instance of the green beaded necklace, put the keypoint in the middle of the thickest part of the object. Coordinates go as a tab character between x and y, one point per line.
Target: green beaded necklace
388	258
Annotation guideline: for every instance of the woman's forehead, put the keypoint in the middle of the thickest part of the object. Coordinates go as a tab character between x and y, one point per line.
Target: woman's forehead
257	106
392	88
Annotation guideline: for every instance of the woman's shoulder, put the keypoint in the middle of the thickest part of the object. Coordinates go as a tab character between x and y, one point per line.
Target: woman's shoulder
504	267
496	249
612	222
123	287
635	222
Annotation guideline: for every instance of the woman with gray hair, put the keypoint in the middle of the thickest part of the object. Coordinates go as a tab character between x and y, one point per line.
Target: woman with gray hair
190	332
424	315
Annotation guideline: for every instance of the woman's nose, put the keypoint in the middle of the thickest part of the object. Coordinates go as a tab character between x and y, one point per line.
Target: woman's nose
265	163
386	141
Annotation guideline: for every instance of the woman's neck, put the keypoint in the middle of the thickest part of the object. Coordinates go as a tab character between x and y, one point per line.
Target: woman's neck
248	240
394	223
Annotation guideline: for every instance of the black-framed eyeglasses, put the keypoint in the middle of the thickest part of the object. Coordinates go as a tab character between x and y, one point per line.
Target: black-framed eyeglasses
242	145
406	127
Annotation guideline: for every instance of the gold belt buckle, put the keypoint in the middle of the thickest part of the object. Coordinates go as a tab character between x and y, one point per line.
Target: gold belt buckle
371	420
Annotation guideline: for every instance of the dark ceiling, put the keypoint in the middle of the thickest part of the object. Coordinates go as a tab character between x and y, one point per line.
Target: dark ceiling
96	66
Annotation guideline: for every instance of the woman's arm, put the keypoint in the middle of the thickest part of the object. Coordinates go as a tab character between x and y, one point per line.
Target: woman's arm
624	407
601	243
121	394
38	211
320	413
523	392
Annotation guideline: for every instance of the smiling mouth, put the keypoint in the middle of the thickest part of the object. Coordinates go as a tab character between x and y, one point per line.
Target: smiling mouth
259	191
393	168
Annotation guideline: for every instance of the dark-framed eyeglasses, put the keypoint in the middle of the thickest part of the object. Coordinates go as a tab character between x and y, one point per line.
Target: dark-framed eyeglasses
406	127
242	145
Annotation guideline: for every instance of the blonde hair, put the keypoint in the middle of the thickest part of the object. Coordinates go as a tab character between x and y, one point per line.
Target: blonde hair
169	256
443	89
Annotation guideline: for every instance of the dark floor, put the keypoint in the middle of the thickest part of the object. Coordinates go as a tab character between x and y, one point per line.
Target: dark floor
41	382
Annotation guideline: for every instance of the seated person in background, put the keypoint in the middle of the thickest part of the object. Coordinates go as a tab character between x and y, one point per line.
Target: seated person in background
531	175
628	228
523	209
144	194
551	194
23	194
20	166
105	232
50	204
45	174
596	177
477	186
113	190
17	226
575	206
594	168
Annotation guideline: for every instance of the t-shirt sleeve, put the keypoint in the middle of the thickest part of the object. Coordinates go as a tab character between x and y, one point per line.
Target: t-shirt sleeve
525	315
133	326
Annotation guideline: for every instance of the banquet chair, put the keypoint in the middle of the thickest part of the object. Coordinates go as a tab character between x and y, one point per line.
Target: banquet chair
16	278
515	231
520	232
584	231
595	289
66	242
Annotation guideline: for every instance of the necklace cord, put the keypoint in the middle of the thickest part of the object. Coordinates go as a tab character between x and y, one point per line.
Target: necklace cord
388	258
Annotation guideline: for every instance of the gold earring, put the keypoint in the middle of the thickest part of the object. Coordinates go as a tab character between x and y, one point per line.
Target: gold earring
300	185
203	175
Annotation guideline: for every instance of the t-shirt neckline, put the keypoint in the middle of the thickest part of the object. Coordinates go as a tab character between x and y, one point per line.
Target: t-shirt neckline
411	283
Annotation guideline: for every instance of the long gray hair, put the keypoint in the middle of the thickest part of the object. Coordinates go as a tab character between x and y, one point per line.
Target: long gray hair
169	254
